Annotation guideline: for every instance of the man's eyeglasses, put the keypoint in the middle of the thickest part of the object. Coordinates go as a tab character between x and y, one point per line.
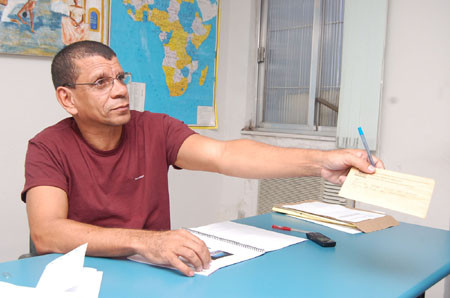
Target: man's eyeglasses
104	84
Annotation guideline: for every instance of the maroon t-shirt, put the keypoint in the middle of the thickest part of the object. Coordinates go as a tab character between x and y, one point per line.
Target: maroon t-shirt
126	187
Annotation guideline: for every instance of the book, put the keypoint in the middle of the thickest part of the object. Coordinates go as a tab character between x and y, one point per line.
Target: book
230	243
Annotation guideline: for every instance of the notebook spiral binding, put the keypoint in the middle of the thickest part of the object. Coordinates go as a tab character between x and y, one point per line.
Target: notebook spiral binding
228	241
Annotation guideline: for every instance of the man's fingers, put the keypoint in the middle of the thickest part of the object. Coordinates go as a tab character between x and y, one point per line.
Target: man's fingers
362	162
190	236
196	253
378	163
342	179
192	257
175	262
186	256
180	249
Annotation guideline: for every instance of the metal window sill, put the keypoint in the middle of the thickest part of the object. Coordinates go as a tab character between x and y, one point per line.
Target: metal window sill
317	136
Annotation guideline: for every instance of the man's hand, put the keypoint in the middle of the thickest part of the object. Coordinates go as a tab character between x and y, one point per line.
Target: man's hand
166	248
337	164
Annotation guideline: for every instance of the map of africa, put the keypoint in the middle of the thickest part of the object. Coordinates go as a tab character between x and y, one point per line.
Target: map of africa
170	45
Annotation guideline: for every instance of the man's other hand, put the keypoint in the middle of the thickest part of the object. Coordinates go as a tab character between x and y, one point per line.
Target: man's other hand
337	164
166	248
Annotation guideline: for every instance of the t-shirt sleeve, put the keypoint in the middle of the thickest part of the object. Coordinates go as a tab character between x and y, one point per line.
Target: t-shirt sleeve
42	168
177	132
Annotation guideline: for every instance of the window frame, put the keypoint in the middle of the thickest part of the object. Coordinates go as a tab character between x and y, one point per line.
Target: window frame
310	128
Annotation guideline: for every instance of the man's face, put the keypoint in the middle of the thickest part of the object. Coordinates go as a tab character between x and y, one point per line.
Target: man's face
98	107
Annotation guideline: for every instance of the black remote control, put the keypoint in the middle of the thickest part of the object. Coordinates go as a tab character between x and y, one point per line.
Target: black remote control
320	239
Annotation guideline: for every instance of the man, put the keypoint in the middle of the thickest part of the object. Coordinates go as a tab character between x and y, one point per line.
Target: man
101	176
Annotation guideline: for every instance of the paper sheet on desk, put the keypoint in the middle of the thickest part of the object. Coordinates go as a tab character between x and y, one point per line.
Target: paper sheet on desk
335	211
65	276
396	191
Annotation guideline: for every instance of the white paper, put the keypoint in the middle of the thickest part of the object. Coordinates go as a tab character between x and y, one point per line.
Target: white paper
392	190
61	273
136	92
65	276
336	211
206	116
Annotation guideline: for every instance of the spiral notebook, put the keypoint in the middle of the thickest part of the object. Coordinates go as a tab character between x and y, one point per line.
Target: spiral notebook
230	243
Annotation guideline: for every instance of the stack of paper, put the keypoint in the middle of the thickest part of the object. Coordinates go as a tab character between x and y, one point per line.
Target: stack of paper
321	212
63	277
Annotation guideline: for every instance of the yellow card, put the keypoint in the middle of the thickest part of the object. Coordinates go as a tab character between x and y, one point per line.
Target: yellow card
396	191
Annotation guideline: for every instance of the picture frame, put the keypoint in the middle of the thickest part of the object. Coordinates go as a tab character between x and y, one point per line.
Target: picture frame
42	28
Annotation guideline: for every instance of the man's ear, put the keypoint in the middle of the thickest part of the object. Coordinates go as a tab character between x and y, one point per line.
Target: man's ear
66	100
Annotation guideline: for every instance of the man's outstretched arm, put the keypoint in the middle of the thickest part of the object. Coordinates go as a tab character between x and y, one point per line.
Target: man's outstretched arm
250	159
53	232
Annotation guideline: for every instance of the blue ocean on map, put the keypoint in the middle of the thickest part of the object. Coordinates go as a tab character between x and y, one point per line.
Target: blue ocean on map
140	51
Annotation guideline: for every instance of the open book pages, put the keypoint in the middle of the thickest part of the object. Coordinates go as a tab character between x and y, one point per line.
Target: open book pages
230	243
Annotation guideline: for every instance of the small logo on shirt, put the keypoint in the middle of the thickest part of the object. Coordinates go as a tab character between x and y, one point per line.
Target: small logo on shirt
138	178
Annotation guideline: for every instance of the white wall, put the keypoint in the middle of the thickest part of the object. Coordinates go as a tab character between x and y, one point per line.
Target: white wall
415	122
28	105
414	128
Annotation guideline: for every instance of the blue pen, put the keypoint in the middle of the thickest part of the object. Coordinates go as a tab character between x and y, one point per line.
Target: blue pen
363	138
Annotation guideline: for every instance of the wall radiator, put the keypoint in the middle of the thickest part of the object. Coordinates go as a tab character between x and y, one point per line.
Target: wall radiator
290	190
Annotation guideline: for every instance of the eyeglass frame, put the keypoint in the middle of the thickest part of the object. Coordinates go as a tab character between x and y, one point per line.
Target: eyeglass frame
96	83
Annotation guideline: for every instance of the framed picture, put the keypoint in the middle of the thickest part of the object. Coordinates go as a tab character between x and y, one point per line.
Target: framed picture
43	27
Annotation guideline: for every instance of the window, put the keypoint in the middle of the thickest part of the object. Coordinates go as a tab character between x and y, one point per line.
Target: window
299	60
